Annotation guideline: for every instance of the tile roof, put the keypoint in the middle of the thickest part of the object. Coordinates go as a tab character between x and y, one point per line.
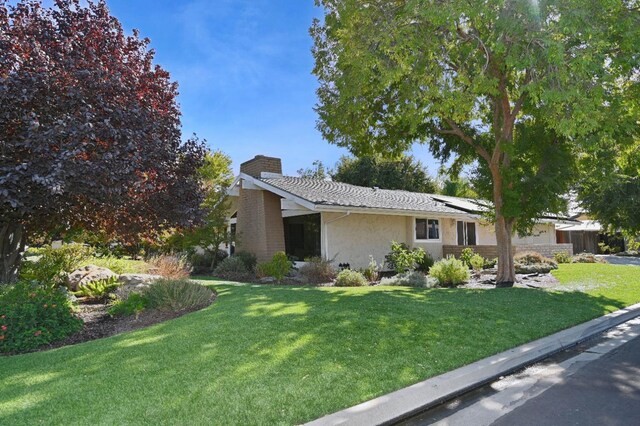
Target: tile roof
328	193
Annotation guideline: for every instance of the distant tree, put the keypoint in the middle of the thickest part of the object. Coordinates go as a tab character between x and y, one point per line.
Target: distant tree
89	130
318	171
457	186
405	173
510	85
217	176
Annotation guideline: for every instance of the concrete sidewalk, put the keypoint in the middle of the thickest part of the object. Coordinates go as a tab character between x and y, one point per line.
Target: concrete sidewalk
431	392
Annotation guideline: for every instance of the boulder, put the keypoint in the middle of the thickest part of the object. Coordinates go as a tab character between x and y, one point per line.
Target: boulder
134	283
87	274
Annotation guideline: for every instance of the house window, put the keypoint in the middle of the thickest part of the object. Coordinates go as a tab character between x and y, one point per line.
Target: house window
427	229
466	233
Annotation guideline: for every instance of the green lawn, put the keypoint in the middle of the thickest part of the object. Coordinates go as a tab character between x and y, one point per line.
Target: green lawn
285	355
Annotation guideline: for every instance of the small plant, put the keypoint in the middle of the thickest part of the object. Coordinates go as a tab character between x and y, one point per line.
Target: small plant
450	272
249	259
177	295
99	290
562	257
465	255
278	267
51	265
132	305
409	279
477	264
34	315
174	267
586	258
349	278
372	272
233	268
317	270
423	260
490	263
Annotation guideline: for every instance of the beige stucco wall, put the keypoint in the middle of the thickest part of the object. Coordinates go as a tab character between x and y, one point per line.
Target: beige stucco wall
351	239
543	233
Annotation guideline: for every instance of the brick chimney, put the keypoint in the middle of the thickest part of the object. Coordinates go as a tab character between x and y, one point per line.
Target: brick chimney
260	227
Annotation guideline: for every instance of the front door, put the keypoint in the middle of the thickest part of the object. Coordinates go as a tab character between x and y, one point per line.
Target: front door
466	233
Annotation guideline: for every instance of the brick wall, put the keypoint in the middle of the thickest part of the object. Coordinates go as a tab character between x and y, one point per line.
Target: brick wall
490	252
260	229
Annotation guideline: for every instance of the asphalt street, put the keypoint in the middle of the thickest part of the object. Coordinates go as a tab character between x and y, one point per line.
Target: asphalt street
603	392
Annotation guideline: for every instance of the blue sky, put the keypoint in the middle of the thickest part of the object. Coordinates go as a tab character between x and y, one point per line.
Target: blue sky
244	70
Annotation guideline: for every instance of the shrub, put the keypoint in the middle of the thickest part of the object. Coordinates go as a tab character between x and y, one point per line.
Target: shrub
207	261
490	263
349	278
402	259
530	262
586	258
171	266
562	257
233	268
132	305
34	315
450	271
318	270
278	267
465	256
171	295
99	290
477	263
372	272
409	279
249	260
54	264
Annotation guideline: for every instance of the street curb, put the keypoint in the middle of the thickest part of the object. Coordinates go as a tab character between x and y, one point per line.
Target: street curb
408	401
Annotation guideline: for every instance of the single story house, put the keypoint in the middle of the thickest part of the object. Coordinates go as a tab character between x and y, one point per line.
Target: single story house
313	217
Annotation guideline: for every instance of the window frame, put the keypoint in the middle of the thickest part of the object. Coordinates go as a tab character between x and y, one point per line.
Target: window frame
466	236
427	240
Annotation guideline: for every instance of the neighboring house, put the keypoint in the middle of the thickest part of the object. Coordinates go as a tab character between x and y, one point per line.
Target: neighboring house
313	217
585	234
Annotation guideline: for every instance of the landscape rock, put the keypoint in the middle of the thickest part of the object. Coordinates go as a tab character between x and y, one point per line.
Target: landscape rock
87	274
267	280
134	283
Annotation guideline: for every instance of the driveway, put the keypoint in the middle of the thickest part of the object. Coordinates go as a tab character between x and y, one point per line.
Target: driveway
620	260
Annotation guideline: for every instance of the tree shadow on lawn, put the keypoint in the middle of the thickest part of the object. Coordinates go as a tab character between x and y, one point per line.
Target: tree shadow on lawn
265	354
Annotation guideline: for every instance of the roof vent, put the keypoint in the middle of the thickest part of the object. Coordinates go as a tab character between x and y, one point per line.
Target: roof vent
375	188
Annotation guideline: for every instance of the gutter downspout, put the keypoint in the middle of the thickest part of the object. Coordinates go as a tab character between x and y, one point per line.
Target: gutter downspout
326	232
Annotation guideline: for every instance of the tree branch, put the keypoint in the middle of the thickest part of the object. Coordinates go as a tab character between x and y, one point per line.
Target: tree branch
457	131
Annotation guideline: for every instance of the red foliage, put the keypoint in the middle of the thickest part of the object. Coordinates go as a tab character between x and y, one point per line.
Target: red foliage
89	126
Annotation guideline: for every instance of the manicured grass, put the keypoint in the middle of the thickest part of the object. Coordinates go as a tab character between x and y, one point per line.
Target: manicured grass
285	355
119	265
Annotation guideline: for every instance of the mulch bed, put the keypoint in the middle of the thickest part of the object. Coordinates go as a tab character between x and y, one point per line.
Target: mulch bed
487	280
98	323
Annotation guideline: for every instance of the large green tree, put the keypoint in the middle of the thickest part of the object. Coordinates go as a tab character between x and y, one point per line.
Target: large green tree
404	173
510	85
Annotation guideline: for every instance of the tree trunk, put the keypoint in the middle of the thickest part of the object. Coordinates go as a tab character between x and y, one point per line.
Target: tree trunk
11	248
506	275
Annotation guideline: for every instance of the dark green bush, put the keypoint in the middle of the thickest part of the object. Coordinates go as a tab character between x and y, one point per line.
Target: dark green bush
177	295
349	278
249	259
233	268
132	305
34	315
403	259
317	270
51	265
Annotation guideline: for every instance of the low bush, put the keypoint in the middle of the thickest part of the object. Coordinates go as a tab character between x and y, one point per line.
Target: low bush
410	279
317	270
34	315
99	290
207	261
170	266
372	272
249	260
132	305
51	265
531	262
562	257
233	268
278	267
423	260
490	263
171	295
586	258
465	256
349	278
450	271
477	263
